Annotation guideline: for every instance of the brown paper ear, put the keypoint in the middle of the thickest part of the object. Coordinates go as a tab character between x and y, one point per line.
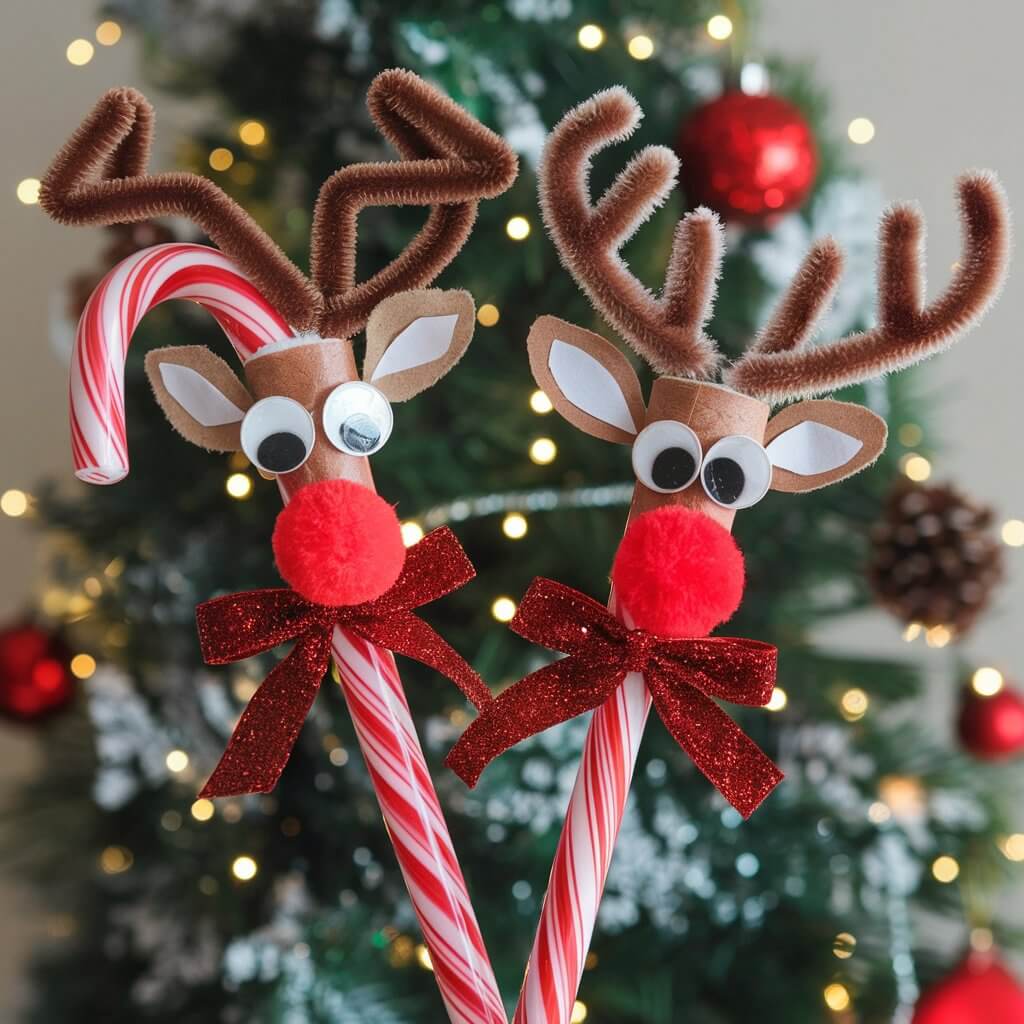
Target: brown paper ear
589	381
414	338
817	443
200	395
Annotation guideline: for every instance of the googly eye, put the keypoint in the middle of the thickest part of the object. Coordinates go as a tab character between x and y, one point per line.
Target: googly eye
666	456
736	472
277	434
357	418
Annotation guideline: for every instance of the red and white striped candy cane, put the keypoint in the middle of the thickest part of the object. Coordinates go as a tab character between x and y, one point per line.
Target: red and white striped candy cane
580	868
423	846
200	273
369	678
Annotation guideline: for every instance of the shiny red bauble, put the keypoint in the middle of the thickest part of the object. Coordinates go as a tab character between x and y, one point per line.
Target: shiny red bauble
992	728
980	991
35	678
747	157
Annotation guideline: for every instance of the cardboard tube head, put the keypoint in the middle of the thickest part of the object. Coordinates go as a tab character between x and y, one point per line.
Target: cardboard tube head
308	375
711	412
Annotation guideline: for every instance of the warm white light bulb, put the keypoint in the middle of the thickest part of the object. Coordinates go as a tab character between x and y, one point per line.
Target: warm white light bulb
640	47
14	503
517	228
244	868
987	681
916	467
412	533
79	52
1013	533
945	869
514	526
488	315
720	27
83	666
108	33
28	191
837	997
540	403
252	133
543	451
860	130
590	36
239	486
503	609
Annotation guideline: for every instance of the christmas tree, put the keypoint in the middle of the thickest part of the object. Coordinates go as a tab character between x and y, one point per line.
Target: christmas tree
289	908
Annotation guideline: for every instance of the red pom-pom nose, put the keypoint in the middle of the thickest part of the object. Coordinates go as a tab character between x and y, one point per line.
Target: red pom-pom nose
338	543
678	572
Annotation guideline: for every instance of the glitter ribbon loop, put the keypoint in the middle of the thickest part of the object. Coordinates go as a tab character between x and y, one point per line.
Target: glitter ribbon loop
682	675
238	626
241	625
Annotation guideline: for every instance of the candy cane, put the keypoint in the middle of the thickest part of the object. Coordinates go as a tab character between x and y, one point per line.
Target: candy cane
583	857
369	678
580	868
422	844
200	273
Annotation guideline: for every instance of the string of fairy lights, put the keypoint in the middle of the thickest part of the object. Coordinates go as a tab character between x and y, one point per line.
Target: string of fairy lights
898	796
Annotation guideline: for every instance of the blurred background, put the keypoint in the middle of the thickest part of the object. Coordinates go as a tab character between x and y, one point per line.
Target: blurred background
880	882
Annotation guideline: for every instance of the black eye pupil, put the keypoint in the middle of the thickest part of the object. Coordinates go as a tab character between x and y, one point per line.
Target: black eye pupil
360	433
673	468
724	479
281	452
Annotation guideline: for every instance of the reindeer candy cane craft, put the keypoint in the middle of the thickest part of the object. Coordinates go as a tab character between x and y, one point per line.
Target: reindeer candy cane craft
305	417
701	451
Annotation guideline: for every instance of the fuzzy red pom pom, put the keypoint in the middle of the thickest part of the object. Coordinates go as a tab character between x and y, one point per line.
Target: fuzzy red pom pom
338	543
678	572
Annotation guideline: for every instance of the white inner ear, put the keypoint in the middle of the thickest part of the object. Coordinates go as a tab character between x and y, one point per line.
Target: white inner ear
811	448
198	397
427	338
589	385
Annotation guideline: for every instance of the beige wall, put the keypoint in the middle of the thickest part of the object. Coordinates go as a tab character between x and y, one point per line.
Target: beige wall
938	78
940	81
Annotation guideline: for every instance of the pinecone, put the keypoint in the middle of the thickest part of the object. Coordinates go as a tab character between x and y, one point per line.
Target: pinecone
935	558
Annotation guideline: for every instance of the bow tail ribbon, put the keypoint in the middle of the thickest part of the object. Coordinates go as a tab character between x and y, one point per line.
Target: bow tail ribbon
730	760
409	635
534	704
277	711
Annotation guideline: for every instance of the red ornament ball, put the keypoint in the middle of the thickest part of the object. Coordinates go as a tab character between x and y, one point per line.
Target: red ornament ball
747	157
980	991
338	543
35	677
678	573
992	728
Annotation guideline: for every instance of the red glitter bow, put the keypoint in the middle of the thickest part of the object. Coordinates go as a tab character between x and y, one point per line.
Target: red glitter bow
682	675
240	625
